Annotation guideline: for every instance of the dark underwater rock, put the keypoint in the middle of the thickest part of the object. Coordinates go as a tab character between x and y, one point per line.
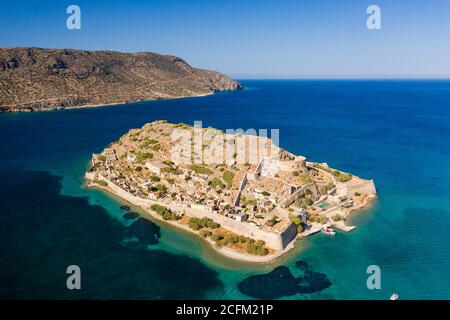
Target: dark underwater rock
131	215
302	265
145	231
275	284
280	282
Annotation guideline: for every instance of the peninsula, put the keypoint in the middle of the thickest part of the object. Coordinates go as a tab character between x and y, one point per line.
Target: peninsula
35	79
243	194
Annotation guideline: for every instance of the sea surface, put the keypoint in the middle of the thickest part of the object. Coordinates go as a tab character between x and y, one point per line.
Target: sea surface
395	132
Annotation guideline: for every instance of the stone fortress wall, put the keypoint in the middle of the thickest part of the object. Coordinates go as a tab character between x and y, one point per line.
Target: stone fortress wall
273	239
363	187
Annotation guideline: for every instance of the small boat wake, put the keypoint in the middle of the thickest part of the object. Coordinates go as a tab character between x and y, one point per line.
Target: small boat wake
394	296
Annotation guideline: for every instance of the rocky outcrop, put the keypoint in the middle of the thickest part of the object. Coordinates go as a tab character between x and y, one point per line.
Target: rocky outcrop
35	79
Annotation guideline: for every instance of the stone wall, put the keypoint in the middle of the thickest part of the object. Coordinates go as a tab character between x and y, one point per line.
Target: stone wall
241	188
273	240
364	187
293	197
289	234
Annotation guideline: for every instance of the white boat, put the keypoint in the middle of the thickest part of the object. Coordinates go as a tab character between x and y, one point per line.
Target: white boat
394	297
328	230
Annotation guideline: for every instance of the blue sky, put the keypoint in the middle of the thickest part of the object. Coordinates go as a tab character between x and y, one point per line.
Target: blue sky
250	39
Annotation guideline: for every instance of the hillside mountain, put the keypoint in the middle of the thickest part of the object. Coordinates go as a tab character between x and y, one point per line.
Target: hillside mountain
35	79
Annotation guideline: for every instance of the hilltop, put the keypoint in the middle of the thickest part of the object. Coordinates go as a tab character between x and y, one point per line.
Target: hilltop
35	79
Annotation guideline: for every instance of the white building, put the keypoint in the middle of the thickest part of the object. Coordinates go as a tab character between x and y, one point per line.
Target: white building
241	216
155	167
131	158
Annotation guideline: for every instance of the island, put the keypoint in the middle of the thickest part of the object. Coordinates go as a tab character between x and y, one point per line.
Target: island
37	79
249	198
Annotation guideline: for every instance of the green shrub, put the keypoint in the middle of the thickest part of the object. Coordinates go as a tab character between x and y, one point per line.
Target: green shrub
228	177
181	125
168	163
205	233
197	223
260	243
296	220
272	221
194	225
143	156
231	239
337	217
172	170
265	193
102	183
216	237
256	248
320	218
154	178
305	178
162	190
155	147
342	177
200	169
216	182
148	143
306	202
164	212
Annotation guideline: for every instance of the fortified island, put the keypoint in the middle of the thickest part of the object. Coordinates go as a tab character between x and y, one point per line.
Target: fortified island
243	194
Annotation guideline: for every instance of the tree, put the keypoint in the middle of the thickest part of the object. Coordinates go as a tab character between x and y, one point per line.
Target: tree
164	212
154	178
200	169
296	220
228	178
205	233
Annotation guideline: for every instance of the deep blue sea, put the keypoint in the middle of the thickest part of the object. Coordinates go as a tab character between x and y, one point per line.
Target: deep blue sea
395	132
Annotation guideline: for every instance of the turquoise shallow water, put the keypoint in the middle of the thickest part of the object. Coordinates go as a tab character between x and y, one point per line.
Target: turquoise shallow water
395	132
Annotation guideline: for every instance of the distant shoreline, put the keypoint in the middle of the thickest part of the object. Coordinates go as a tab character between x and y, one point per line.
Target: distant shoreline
99	105
134	101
